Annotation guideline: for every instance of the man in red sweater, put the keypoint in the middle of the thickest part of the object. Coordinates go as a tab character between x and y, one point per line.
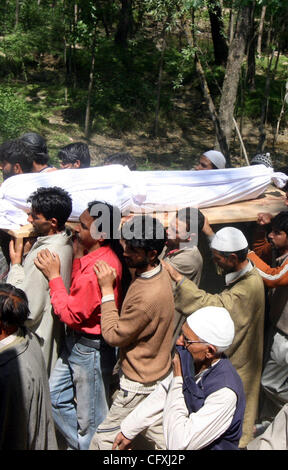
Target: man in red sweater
79	383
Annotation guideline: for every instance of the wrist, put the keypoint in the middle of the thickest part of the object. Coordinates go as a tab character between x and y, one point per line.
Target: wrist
53	276
179	280
16	263
107	291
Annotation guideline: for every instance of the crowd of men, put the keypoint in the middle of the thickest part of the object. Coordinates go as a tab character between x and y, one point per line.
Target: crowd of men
108	340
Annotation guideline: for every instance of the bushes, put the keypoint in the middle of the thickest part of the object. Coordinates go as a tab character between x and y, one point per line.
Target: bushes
14	114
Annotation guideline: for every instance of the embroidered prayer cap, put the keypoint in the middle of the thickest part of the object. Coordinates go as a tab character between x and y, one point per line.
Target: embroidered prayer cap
229	239
214	325
263	159
217	158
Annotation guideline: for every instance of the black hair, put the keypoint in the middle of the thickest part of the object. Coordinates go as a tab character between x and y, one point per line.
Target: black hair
190	216
109	216
121	158
38	145
16	151
241	254
14	308
280	222
52	202
73	152
110	220
146	232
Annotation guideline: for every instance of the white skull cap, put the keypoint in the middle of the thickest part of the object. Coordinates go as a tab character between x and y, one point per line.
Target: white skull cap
217	158
214	325
229	239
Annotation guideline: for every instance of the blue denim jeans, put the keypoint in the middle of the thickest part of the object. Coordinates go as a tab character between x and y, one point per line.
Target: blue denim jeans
79	388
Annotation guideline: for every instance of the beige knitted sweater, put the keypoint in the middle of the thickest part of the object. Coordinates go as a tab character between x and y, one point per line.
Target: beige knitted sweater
143	331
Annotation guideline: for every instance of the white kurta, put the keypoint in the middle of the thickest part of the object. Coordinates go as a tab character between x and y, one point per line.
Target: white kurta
182	431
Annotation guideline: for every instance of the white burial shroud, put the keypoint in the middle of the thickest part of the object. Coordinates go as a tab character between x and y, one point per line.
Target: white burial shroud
137	190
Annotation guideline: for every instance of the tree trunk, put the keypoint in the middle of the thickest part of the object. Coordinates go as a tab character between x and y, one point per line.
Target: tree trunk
260	32
231	25
217	28
206	92
125	25
232	74
90	87
262	128
285	101
17	11
251	49
159	85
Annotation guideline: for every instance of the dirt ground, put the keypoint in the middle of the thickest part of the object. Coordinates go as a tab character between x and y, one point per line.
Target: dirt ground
181	142
180	149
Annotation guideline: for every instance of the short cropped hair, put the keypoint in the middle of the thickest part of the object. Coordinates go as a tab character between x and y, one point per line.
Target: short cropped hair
146	232
16	151
280	222
121	158
52	202
241	254
73	152
14	308
38	145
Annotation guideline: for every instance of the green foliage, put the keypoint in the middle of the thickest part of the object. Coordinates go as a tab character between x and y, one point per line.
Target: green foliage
14	114
125	87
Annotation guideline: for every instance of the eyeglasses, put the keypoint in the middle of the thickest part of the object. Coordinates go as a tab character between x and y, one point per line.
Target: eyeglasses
189	341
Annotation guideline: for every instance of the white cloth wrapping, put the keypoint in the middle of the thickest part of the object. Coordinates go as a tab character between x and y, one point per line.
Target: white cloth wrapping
137	190
171	190
110	183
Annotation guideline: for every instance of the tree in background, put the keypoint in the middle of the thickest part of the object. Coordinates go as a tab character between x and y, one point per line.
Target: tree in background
121	64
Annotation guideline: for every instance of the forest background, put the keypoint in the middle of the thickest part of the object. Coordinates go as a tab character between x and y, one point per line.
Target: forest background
162	79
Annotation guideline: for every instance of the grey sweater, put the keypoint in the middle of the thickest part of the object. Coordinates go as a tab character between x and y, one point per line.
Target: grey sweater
26	421
30	279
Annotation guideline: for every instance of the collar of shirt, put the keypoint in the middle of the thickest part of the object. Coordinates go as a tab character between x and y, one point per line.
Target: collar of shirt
151	273
9	339
281	258
230	278
93	256
179	250
200	374
172	252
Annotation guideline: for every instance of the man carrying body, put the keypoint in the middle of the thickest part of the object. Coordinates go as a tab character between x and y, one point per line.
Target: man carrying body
211	160
38	145
79	384
182	252
74	155
275	373
203	404
142	330
50	209
16	158
244	299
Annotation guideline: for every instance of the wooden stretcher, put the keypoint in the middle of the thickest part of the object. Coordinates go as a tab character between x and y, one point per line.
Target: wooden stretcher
272	201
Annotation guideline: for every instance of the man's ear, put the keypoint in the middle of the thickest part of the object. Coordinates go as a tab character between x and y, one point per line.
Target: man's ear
211	351
233	258
77	164
152	256
54	223
17	169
